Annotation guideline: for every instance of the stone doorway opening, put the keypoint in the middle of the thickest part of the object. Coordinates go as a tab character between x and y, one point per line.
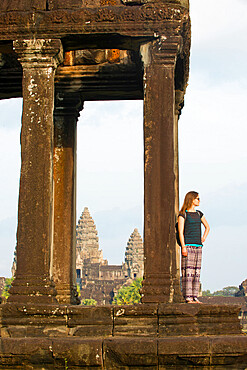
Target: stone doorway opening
110	185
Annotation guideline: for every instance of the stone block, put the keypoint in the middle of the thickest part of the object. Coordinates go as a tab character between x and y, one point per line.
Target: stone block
229	350
90	321
34	315
65	4
78	352
16	331
26	351
184	319
176	351
218	319
130	352
136	320
179	319
11	5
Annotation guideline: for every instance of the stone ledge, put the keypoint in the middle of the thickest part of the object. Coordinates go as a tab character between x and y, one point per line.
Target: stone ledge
127	353
143	320
198	319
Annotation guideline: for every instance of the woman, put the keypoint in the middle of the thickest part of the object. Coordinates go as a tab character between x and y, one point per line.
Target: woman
189	228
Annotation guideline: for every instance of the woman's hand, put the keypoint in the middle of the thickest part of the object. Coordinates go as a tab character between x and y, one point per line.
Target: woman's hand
207	228
184	252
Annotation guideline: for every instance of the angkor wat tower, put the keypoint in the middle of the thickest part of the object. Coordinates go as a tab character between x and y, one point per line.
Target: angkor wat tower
96	278
87	241
134	256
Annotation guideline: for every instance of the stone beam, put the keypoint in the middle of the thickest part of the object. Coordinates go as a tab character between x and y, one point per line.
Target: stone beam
131	21
101	82
39	59
93	82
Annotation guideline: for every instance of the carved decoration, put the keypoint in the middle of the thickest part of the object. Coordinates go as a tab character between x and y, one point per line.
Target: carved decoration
105	15
87	17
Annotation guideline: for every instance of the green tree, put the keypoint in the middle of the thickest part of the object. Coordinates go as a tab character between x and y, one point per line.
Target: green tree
8	283
89	302
206	293
228	291
78	290
129	294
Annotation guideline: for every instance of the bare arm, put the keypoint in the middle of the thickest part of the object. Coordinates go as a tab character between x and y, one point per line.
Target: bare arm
181	222
207	228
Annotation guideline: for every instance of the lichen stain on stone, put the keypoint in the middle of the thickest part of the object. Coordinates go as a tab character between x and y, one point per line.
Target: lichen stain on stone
56	156
107	2
31	87
120	312
49	72
147	152
149	140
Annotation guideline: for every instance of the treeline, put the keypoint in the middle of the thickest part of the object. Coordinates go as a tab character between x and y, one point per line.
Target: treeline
229	291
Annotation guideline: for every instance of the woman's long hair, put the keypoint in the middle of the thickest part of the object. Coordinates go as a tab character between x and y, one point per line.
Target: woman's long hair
188	200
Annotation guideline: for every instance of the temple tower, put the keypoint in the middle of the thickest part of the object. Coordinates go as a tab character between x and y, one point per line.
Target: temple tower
87	241
134	256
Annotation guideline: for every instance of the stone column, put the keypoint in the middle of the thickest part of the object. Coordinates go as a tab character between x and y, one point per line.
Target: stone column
177	254
161	281
66	114
179	98
33	283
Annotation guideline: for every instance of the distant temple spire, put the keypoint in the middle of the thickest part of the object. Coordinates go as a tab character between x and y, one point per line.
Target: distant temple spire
134	256
87	241
97	279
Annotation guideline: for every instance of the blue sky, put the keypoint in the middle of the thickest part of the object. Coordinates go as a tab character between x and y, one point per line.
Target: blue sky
212	152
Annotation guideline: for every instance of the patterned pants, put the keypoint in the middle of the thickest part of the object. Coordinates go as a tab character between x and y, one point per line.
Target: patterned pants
191	270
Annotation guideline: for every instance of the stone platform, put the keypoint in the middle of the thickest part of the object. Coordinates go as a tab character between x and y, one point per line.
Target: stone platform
152	336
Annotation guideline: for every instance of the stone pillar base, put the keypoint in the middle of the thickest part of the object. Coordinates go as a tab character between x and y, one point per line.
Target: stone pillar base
32	290
161	289
66	294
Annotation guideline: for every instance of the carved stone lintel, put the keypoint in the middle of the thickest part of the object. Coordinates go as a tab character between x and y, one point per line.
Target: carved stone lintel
141	18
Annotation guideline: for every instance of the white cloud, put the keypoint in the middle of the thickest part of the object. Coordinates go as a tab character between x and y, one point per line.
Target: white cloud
110	155
10	171
224	257
219	23
219	36
10	117
212	126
